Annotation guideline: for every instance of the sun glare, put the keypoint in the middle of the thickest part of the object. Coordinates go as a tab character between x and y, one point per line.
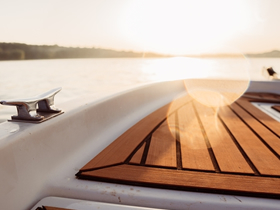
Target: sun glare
212	82
176	68
172	27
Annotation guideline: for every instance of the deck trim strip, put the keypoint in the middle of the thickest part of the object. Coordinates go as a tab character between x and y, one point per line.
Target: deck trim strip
215	182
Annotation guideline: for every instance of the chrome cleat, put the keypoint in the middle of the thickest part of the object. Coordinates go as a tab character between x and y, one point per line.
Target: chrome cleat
44	102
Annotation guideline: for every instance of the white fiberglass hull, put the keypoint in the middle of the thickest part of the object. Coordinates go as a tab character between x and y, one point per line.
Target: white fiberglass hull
41	160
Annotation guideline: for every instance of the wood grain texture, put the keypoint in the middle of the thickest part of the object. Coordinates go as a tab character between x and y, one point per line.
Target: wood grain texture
226	152
121	148
169	178
270	138
194	151
262	158
268	95
137	157
239	141
277	108
262	97
162	151
261	116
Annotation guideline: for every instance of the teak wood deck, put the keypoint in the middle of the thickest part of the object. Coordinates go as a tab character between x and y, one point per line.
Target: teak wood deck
188	146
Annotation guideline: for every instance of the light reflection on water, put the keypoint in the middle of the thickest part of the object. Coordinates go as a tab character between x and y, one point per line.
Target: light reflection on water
86	77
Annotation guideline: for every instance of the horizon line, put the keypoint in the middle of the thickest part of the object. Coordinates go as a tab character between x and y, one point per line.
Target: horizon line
216	54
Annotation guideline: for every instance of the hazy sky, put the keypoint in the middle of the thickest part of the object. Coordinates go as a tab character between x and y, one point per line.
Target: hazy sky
171	27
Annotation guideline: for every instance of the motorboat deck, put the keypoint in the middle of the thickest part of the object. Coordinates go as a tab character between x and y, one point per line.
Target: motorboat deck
188	146
152	147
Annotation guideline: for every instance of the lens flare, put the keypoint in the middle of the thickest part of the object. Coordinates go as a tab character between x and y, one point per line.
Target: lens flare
216	92
226	81
222	81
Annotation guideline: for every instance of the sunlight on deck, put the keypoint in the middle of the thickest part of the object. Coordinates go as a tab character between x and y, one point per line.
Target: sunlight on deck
211	85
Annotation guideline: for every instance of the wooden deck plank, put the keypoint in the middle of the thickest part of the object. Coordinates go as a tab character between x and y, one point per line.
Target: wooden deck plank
194	135
226	152
137	157
263	95
194	151
277	96
121	148
260	98
148	176
162	151
277	108
262	158
270	138
268	95
261	116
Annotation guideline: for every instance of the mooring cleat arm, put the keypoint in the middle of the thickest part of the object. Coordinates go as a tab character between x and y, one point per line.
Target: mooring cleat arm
24	106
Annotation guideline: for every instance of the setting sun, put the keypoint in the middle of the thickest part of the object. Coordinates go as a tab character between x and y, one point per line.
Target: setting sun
174	27
180	27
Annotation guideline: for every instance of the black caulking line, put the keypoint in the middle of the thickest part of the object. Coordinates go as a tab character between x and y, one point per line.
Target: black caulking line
257	118
178	143
134	151
146	150
250	163
210	150
260	138
147	139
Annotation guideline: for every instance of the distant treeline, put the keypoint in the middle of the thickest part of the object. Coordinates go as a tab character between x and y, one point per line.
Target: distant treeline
18	51
272	54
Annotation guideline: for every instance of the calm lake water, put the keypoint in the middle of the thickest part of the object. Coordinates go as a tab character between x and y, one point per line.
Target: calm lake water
86	77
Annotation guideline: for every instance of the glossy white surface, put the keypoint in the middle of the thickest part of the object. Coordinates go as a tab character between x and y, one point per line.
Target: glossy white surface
266	107
83	205
41	160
